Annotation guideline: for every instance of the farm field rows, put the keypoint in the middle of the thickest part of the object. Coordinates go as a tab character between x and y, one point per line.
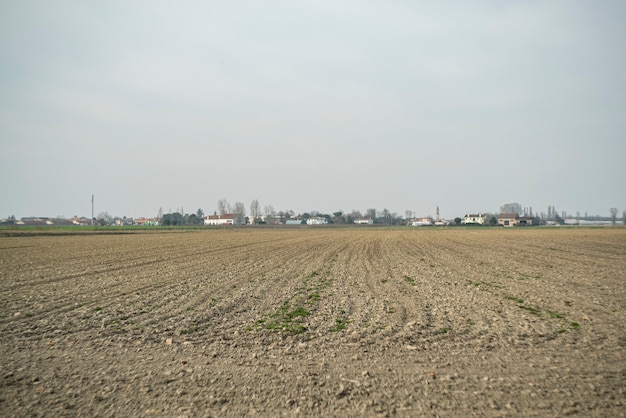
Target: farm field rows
315	322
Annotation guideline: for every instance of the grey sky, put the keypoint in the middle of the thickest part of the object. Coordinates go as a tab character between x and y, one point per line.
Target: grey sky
311	105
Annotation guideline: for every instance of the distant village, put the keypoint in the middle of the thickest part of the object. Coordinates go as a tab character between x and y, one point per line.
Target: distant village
511	215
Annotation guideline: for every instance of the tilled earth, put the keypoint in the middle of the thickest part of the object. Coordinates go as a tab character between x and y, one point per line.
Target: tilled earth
315	322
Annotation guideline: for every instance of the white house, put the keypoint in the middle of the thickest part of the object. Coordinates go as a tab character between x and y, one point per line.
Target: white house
427	221
226	219
474	219
364	221
317	220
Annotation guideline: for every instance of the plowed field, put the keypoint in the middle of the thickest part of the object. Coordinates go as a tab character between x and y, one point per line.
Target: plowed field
315	322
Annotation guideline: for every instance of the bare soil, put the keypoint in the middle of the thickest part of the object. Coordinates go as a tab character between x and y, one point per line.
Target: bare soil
315	322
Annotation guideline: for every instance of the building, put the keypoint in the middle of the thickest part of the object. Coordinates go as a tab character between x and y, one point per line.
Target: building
82	221
364	221
474	219
33	221
525	221
147	221
317	220
427	221
508	219
513	219
226	219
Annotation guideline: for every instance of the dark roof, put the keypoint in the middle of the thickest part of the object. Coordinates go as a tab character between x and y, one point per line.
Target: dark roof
508	216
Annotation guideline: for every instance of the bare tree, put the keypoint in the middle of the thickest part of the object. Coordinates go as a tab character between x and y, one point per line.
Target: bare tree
613	215
255	211
624	217
270	214
223	207
240	212
386	215
104	219
511	208
355	214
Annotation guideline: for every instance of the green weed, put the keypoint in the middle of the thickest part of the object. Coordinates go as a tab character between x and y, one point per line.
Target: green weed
531	309
340	325
554	314
515	299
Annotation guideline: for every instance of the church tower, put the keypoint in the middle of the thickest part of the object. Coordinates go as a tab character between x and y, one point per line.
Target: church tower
437	217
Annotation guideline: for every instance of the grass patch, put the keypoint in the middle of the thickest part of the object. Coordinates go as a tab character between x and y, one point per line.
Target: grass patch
515	299
288	319
340	325
531	309
554	314
575	325
190	330
568	303
535	276
410	280
299	311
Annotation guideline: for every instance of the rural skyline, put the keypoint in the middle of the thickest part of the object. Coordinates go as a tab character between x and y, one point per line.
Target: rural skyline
312	106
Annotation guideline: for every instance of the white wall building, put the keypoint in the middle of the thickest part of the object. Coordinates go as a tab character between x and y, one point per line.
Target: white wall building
316	220
227	219
422	221
474	219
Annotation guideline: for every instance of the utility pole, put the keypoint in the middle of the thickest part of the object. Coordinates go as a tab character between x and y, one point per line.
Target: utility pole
91	210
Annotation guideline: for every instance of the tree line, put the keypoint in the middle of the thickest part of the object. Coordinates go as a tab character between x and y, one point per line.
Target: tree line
257	214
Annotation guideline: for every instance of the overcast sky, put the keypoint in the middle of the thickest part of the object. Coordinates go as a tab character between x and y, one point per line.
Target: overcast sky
311	105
